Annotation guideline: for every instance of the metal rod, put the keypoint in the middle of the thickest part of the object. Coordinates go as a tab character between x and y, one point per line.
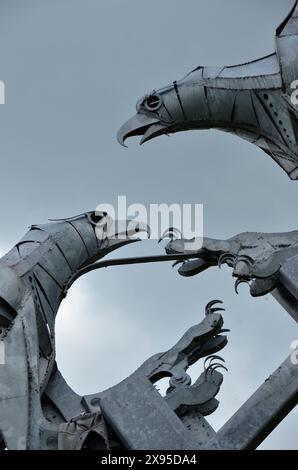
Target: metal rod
129	261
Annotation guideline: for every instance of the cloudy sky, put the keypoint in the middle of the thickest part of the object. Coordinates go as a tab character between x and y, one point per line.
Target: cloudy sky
73	71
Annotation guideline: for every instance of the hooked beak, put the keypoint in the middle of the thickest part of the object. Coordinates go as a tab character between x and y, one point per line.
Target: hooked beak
123	232
143	125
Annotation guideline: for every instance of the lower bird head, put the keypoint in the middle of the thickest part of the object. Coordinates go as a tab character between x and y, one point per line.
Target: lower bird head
112	234
97	232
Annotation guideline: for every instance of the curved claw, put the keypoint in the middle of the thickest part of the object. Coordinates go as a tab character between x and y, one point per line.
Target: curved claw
209	310
226	258
213	367
246	259
212	358
179	261
238	282
172	233
219	366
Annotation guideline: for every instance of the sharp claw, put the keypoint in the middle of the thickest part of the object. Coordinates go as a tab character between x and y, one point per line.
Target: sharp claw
214	310
178	262
172	233
212	358
245	259
219	358
208	308
224	330
206	371
215	364
219	366
226	258
238	282
213	367
213	302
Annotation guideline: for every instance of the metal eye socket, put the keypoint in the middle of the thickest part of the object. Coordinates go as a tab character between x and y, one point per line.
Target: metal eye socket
97	217
153	102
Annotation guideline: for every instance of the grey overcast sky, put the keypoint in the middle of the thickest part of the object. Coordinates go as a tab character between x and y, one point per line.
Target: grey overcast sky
74	70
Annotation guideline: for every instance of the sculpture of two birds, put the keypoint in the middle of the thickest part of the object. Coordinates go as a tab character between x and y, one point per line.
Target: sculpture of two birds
258	102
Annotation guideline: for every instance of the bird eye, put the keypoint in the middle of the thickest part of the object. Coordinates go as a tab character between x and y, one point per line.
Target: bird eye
96	217
153	102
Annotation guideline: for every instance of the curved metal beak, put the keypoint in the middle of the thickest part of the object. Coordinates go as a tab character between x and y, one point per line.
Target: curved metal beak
127	231
142	125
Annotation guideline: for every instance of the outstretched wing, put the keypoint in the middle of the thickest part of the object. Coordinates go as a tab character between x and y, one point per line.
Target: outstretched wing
287	48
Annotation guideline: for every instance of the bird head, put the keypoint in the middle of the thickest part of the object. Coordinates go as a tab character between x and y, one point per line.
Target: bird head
100	232
178	107
112	234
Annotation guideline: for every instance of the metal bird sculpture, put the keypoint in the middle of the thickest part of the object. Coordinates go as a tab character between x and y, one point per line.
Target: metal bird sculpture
256	101
35	276
38	409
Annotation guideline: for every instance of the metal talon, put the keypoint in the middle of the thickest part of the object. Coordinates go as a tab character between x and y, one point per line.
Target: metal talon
219	366
211	366
245	259
172	233
208	308
226	258
181	261
212	358
238	282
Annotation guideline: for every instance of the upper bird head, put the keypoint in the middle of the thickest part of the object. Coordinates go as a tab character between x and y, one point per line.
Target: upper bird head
180	106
